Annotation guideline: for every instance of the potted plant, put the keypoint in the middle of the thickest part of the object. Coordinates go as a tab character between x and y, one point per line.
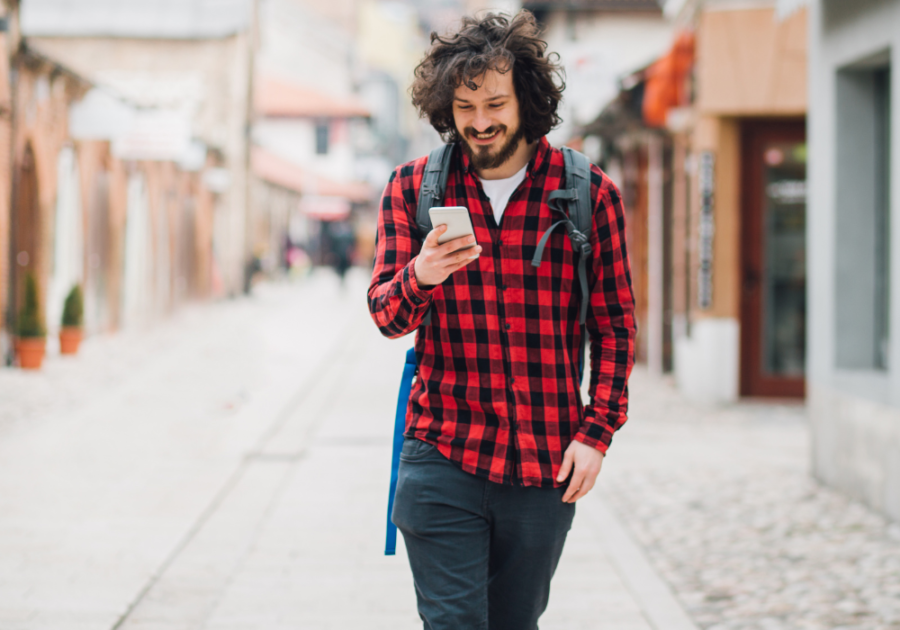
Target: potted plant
31	336
72	320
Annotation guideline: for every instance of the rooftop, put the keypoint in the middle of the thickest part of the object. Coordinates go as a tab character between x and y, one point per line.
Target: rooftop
278	98
594	5
160	19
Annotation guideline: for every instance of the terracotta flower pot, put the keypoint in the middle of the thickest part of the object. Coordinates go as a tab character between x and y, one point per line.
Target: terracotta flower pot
30	351
69	339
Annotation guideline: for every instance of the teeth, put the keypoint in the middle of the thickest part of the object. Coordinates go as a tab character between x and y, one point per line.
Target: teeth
485	136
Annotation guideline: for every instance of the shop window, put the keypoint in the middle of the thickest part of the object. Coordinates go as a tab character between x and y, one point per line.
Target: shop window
322	138
863	247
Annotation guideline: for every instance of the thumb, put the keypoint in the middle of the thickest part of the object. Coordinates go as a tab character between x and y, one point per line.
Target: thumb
432	239
566	466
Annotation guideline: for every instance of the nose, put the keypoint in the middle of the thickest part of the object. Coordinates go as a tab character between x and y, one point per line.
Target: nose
481	122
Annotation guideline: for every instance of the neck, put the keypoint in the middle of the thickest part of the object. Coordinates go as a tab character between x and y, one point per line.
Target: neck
513	165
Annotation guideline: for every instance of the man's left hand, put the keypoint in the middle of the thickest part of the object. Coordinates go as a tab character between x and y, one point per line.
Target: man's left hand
584	463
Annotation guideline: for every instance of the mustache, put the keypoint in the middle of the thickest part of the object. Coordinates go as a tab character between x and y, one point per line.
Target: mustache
472	133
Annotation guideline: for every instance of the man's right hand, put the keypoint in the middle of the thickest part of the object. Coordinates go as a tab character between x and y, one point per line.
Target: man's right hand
436	262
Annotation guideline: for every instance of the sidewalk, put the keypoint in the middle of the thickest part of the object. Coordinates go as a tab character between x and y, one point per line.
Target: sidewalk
230	471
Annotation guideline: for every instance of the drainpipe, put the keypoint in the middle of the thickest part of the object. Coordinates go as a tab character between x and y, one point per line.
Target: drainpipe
12	47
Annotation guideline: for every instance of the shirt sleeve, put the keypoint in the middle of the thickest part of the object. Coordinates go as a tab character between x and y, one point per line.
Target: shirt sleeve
396	301
610	321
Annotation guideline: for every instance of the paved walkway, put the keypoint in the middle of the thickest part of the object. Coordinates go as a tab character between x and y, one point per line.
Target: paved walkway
229	470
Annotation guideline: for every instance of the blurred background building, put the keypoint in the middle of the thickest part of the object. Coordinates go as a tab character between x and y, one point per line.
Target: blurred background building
166	152
853	230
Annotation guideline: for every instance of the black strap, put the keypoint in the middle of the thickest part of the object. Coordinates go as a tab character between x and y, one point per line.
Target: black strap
431	194
434	185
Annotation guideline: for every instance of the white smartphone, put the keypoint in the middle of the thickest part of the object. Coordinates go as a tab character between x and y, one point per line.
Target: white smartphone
456	219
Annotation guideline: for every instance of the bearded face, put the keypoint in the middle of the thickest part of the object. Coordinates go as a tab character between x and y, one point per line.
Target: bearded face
487	120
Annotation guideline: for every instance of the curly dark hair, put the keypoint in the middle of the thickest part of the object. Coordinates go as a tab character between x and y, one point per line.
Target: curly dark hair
491	42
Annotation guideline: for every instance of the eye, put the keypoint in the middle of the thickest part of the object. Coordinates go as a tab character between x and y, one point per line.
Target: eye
497	105
464	108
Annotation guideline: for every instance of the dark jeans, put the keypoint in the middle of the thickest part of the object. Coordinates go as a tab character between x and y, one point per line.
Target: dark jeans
482	554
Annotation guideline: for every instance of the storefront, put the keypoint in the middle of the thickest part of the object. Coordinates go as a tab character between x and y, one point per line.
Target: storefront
744	332
708	145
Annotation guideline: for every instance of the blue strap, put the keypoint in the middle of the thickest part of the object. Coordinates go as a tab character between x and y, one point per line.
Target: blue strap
409	370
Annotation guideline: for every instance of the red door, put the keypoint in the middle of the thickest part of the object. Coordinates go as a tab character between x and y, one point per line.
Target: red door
773	259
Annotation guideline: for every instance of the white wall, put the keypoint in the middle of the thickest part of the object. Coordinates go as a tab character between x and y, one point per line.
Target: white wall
68	240
295	140
707	363
855	413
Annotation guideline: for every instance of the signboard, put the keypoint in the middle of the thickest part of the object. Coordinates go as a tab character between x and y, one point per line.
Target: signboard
706	228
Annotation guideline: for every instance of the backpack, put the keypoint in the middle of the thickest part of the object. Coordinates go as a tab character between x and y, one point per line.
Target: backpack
572	203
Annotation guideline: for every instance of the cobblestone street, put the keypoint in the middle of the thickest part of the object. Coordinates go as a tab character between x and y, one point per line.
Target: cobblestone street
228	469
722	501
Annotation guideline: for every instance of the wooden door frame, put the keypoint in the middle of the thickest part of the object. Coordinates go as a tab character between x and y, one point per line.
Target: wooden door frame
754	133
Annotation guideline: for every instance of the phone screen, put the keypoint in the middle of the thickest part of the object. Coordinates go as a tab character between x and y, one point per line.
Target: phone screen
456	219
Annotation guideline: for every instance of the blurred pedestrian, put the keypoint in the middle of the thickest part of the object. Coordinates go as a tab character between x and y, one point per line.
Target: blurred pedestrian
342	245
498	444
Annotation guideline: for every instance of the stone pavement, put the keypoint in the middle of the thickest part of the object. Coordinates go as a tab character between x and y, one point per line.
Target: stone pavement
722	500
229	469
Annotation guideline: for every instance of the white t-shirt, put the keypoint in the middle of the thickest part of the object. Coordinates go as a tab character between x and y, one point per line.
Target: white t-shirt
500	190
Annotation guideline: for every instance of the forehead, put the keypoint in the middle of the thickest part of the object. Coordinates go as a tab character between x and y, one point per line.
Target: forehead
489	85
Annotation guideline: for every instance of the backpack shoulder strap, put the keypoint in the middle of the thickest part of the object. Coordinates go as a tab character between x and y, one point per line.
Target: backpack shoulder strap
434	185
574	203
578	177
431	193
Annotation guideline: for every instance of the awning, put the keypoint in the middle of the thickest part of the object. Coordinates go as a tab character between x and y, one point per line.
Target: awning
325	208
281	172
667	81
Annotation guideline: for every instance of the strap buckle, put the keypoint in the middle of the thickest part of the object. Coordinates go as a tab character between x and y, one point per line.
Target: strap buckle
581	243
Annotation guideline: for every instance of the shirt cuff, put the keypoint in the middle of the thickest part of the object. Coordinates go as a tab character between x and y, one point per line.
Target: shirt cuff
595	434
416	294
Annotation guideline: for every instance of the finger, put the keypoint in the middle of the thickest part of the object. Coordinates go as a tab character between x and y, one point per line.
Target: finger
454	267
566	466
461	258
574	485
432	239
456	244
586	486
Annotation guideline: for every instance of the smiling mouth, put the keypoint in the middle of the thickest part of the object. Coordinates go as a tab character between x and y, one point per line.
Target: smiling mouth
486	136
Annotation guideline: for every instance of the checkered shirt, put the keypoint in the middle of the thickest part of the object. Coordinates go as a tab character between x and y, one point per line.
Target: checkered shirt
497	389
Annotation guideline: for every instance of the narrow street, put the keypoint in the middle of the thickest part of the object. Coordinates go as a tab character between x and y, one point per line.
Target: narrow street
229	469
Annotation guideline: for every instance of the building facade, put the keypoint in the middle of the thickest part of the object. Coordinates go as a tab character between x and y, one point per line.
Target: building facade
854	229
120	171
707	143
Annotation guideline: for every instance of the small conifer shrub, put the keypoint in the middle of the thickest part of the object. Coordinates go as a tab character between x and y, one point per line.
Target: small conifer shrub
73	309
29	324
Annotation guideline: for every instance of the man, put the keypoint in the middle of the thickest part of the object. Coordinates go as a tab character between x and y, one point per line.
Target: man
498	444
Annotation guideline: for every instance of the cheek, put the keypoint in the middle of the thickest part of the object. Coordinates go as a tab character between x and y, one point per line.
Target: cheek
462	120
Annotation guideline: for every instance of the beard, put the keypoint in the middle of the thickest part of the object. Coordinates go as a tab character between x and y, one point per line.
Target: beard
482	157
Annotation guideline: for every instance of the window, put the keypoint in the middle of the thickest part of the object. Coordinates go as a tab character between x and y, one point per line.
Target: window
863	215
882	81
322	138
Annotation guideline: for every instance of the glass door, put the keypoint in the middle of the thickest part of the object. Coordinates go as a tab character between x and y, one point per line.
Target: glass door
773	259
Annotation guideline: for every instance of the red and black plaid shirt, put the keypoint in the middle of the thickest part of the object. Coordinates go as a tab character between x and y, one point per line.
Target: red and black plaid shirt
498	385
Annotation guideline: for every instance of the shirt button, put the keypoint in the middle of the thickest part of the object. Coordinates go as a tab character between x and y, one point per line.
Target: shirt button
503	287
512	380
508	326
